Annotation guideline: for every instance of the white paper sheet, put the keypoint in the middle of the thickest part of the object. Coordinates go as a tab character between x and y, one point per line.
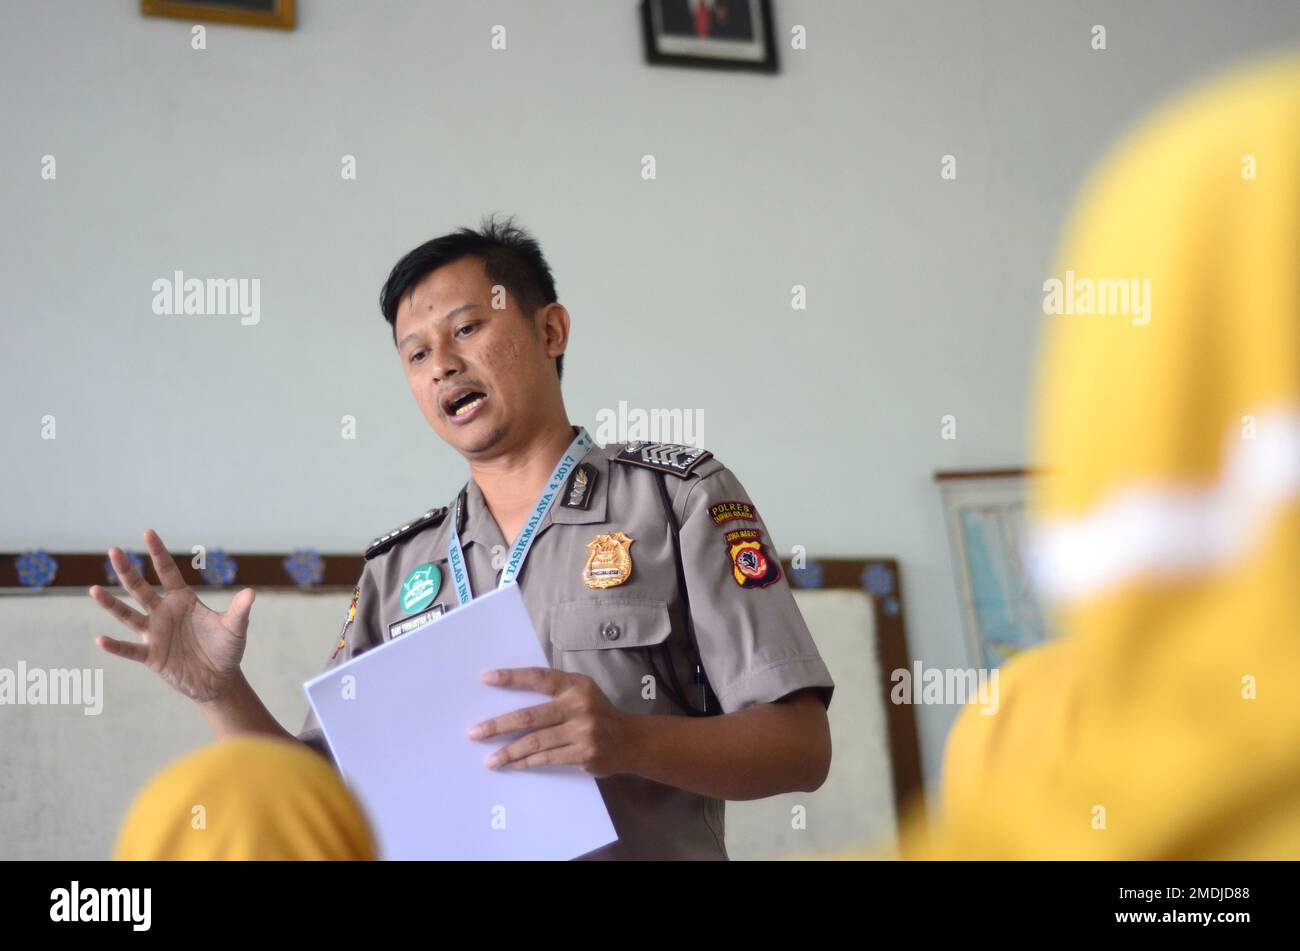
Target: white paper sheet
397	730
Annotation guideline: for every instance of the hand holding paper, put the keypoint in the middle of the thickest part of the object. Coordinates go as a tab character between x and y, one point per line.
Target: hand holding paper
396	719
579	727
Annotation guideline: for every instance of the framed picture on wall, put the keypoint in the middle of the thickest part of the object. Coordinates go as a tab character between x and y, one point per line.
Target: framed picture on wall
273	13
986	515
718	34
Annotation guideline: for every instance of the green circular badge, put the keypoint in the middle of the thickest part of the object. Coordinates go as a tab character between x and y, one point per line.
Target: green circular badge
420	587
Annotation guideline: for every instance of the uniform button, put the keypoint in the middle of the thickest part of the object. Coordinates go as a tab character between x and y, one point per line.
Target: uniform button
610	631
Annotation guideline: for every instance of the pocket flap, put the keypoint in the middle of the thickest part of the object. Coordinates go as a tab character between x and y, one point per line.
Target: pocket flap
603	623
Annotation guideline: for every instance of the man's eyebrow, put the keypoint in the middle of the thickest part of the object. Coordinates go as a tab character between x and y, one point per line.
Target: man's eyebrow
445	317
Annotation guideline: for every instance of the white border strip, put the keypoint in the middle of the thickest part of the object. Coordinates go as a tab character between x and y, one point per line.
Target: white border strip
1170	531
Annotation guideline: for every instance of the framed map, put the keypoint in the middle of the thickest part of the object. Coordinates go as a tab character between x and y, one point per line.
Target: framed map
986	516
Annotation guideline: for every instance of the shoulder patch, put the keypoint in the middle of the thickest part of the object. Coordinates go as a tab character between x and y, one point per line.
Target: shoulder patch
663	457
726	511
429	519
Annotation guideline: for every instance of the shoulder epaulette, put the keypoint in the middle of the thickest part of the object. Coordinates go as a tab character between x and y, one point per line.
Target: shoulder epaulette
667	457
429	519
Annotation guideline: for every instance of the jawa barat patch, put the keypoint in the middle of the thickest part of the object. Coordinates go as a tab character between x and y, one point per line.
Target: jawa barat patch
751	565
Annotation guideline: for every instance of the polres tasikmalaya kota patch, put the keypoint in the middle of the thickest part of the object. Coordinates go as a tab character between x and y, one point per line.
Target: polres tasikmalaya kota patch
726	511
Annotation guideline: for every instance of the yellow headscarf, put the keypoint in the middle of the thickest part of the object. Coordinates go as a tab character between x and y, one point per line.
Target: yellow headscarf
1165	721
250	797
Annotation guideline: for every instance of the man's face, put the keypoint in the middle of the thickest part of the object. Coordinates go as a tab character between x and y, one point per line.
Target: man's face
478	374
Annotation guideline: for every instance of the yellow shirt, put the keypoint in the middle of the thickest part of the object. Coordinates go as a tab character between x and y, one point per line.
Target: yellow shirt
1165	722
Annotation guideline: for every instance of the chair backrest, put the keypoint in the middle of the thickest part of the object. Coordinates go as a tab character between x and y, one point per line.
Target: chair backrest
66	778
854	810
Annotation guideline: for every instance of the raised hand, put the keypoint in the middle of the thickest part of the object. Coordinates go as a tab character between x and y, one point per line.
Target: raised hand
193	648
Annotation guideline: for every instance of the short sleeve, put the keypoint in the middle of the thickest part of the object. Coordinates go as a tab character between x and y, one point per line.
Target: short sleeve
356	635
753	641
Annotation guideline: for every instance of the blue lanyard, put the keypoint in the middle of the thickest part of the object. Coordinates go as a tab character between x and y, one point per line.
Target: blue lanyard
580	446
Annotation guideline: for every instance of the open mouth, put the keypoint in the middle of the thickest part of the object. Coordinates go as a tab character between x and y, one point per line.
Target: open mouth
462	404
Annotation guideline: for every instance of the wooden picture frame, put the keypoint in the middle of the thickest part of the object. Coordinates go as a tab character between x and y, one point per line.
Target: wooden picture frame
734	34
892	653
276	14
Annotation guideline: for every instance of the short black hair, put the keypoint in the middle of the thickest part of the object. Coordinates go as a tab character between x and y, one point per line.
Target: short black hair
510	255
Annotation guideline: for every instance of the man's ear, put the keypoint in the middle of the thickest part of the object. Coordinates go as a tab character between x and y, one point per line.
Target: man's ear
555	329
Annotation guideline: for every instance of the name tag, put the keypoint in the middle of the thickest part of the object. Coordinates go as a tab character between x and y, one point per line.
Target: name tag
398	628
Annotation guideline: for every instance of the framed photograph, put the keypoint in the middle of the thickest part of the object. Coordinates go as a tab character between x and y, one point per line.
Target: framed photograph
986	516
273	13
718	34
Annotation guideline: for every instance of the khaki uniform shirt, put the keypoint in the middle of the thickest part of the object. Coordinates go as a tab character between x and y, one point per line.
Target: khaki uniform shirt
752	639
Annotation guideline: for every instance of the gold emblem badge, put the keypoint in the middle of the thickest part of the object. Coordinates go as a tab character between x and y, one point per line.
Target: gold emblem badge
609	561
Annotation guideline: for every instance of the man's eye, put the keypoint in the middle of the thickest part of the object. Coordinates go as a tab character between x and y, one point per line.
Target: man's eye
418	355
465	329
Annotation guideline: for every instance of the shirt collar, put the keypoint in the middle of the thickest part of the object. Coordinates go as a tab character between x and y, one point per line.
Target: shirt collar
482	528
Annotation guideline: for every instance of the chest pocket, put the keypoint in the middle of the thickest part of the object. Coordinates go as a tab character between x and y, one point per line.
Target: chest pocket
605	638
608	623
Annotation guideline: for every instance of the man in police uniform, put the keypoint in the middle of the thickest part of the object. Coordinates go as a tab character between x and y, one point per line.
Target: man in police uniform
681	672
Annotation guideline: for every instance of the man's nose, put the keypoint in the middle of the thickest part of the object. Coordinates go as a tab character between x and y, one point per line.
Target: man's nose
447	366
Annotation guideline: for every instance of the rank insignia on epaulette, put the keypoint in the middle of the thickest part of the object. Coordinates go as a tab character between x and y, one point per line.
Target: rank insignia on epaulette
385	542
347	623
663	456
580	487
751	565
